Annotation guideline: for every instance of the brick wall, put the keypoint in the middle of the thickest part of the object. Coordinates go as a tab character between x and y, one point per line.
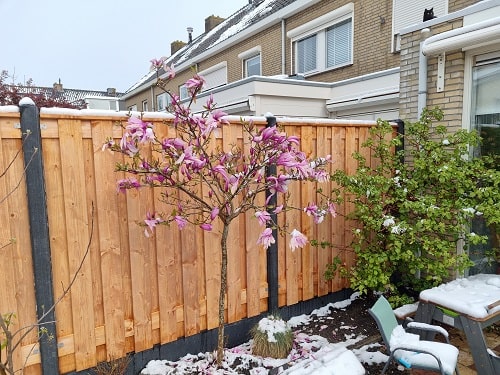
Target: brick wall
450	100
372	37
454	5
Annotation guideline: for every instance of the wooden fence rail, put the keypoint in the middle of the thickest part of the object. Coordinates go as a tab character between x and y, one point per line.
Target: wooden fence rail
133	292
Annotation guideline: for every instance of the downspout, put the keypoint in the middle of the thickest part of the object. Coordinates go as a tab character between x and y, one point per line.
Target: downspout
422	74
152	99
283	47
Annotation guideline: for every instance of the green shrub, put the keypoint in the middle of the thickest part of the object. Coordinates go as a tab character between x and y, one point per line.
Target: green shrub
413	209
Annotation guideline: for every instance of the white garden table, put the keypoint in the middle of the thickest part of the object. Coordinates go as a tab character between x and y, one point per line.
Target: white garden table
469	304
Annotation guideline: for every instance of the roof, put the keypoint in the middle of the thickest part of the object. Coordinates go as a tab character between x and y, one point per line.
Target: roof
242	19
73	96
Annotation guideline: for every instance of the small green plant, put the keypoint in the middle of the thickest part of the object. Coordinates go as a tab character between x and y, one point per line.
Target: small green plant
272	338
413	208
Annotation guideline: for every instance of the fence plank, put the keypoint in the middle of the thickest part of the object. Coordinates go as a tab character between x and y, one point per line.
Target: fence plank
75	208
338	226
293	221
8	282
190	275
138	203
109	244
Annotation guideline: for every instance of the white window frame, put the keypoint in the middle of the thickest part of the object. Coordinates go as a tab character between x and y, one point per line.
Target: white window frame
162	102
470	62
183	92
248	55
319	27
246	65
145	106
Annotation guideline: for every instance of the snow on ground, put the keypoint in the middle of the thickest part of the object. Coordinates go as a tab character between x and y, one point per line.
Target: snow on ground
310	355
471	296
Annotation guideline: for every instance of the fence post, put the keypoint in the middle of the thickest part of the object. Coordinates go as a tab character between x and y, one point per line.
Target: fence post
401	131
39	233
272	250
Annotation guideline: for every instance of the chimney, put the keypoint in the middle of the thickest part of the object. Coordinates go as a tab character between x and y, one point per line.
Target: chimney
176	45
57	86
211	22
111	91
190	34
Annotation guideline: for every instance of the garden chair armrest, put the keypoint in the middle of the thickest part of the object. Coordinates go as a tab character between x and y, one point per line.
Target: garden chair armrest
429	327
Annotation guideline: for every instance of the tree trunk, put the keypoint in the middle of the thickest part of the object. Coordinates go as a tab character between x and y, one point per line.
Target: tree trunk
223	285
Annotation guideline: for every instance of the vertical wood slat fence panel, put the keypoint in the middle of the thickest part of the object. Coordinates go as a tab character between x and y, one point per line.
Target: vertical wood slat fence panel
133	292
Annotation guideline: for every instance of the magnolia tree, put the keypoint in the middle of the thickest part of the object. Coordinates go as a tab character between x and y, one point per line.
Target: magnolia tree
203	183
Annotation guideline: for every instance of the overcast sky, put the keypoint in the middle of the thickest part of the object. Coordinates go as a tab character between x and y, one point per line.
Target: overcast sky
96	44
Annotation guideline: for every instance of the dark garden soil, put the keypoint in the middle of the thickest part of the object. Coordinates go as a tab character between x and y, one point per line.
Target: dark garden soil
360	322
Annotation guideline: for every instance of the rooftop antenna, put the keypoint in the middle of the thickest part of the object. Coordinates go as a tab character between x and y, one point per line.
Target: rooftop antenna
190	34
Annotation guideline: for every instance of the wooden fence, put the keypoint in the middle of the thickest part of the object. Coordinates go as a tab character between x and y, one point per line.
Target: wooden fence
133	292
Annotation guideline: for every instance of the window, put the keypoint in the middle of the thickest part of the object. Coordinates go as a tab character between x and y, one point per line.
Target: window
251	62
485	118
252	66
339	44
145	107
306	54
215	76
324	43
183	92
162	102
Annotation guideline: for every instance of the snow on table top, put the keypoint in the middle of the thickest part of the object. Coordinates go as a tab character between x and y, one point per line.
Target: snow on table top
469	296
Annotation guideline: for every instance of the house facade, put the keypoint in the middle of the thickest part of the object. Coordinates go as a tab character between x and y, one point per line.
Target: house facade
304	58
454	62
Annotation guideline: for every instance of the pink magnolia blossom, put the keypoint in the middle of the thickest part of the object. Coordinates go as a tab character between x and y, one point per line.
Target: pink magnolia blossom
297	240
278	184
263	217
169	70
195	84
332	210
278	209
156	63
214	213
127	183
181	222
266	238
206	226
151	222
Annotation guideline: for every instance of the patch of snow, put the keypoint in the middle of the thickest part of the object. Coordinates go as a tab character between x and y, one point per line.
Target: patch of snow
26	101
470	296
9	108
271	326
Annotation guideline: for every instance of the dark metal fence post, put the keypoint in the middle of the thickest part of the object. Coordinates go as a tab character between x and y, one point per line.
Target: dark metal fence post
401	131
39	233
272	251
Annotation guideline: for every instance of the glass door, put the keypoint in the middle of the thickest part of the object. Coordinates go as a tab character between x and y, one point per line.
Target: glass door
485	119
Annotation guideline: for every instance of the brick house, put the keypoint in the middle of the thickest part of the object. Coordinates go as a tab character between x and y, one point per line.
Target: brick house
305	58
453	62
312	58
